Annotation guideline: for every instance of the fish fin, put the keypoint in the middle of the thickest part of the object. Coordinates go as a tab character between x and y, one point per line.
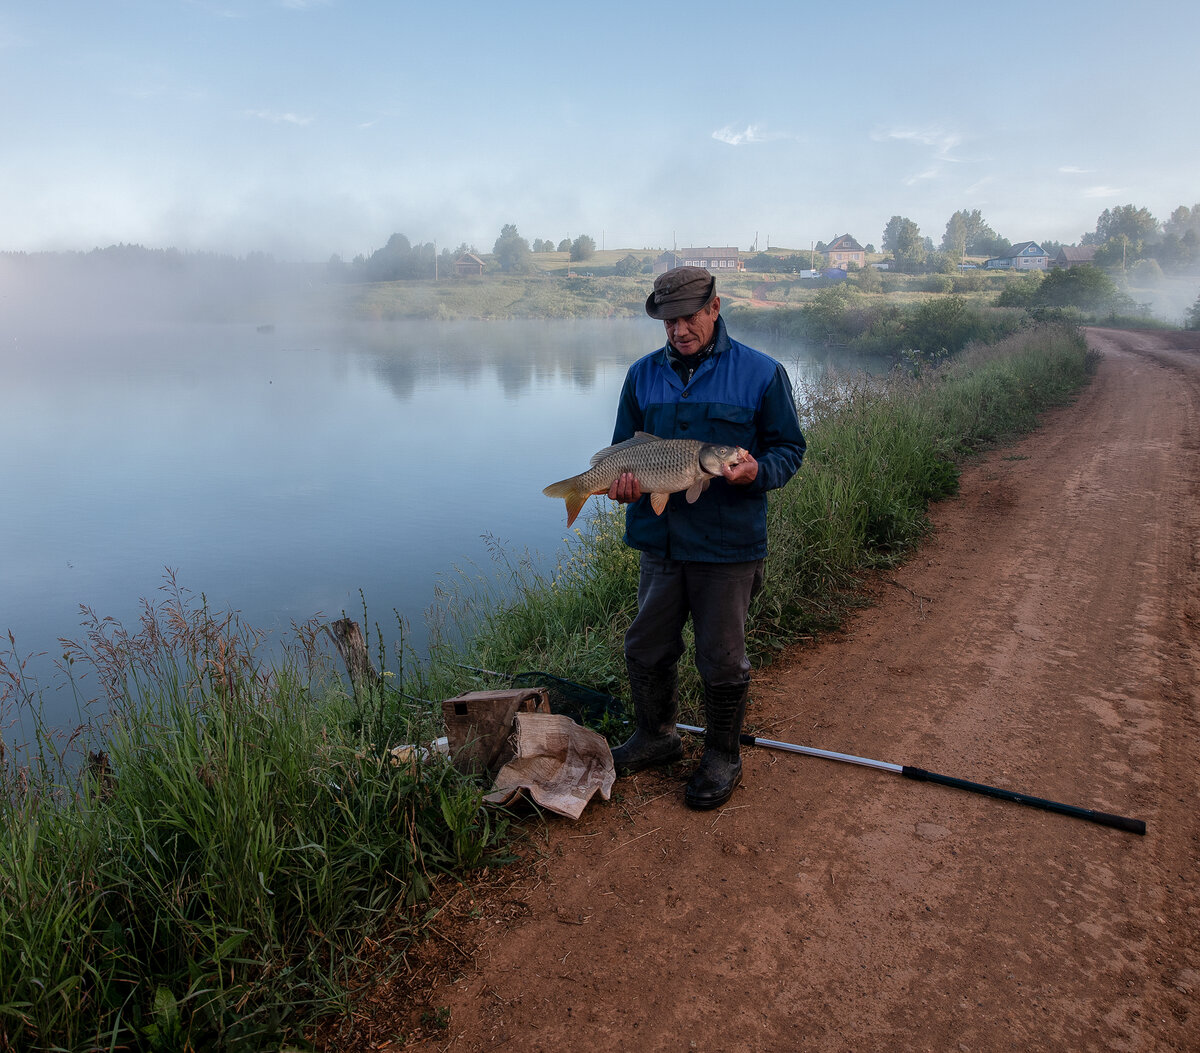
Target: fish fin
574	504
658	502
695	490
639	439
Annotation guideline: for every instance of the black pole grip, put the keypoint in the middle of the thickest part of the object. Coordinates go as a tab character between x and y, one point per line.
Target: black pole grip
1133	826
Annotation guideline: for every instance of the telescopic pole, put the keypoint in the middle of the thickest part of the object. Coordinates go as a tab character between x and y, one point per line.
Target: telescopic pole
1120	822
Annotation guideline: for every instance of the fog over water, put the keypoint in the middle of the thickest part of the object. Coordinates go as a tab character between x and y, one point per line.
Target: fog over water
280	468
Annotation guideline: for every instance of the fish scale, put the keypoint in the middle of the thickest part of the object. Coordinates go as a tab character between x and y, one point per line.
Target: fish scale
661	466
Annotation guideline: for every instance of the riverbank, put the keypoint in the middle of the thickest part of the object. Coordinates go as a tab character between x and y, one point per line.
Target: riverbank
1043	639
241	847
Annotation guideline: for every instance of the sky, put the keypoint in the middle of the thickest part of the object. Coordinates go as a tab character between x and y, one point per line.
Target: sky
309	128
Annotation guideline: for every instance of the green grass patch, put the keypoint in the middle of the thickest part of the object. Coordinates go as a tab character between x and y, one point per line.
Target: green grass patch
494	297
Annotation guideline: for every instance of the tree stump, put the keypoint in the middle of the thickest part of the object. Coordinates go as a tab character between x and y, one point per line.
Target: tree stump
347	637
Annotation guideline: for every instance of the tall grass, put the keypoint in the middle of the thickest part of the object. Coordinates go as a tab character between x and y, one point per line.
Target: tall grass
205	871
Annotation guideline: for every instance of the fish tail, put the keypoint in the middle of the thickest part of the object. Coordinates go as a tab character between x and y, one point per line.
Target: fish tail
571	492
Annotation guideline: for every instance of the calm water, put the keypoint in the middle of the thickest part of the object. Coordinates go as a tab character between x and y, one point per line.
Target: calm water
281	473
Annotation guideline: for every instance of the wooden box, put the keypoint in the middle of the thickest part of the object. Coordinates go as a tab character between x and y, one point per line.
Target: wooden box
479	725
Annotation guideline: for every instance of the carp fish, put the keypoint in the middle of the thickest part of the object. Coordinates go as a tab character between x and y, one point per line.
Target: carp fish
662	466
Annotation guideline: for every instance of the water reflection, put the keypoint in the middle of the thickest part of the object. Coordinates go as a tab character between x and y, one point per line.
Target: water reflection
518	354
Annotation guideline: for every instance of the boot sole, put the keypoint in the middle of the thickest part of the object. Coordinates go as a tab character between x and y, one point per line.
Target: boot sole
707	802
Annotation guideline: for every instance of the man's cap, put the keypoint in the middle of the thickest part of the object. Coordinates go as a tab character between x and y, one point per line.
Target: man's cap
680	292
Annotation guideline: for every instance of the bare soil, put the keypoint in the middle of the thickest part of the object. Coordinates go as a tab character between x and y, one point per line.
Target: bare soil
1045	640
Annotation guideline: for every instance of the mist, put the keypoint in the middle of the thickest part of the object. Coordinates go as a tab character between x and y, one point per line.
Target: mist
1166	297
127	285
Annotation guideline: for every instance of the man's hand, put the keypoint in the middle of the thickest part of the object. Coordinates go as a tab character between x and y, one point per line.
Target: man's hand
743	473
625	488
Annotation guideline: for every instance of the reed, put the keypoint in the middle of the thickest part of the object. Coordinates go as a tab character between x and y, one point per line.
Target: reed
212	877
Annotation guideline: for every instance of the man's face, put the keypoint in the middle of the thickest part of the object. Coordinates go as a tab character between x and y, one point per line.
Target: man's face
688	335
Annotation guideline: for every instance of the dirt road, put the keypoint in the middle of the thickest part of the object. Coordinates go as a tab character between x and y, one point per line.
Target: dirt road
1045	640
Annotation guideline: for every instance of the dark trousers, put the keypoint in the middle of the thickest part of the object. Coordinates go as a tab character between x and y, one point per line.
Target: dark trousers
715	595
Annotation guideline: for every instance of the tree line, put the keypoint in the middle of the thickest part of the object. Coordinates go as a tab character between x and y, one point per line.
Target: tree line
399	259
1127	236
512	252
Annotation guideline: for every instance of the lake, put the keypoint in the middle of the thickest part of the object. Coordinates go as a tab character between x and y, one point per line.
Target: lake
280	472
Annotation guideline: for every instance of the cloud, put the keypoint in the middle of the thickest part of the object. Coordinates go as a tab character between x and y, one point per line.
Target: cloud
279	118
1075	170
929	173
942	141
752	133
1103	191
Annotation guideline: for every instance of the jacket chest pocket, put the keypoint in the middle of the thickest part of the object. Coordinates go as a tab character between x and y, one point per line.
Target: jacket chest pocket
728	424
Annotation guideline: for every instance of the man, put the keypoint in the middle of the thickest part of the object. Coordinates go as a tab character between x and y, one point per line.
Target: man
703	559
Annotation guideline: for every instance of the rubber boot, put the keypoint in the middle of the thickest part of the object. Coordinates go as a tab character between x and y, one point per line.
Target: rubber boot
654	740
720	768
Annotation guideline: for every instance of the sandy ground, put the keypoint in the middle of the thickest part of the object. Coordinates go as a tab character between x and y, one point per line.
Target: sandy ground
1043	640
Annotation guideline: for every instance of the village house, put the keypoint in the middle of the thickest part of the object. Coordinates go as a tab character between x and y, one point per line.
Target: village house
1027	256
468	264
712	259
844	251
1070	256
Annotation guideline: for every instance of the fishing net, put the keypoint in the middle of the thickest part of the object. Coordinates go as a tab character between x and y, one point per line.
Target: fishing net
584	705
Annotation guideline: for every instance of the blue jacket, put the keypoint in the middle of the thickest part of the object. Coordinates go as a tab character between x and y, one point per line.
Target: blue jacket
738	397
